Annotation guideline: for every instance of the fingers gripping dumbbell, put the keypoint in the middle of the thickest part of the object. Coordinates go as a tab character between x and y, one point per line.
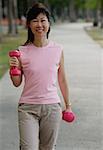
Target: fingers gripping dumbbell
14	71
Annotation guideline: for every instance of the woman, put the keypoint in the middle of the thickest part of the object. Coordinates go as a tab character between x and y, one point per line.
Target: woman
41	62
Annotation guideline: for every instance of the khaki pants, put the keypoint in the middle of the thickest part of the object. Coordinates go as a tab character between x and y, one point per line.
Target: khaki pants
38	125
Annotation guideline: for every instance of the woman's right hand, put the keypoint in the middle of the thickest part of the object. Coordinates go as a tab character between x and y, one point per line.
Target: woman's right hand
14	61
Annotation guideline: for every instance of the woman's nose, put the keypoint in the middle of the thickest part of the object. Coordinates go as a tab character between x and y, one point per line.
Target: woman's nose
39	23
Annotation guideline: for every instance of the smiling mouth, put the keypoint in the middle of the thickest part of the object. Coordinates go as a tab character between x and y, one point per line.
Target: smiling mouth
39	30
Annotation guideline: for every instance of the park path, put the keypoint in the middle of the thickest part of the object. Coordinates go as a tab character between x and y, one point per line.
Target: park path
84	65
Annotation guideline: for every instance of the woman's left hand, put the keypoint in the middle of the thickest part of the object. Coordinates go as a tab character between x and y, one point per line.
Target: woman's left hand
68	109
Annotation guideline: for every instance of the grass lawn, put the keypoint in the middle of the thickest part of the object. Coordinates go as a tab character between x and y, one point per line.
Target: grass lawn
9	43
96	33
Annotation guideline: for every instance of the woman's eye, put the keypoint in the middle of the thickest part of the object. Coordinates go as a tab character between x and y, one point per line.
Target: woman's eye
43	20
34	20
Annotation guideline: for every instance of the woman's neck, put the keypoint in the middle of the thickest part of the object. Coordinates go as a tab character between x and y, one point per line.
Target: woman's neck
40	42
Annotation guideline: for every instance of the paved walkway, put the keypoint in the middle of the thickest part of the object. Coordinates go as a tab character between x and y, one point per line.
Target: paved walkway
83	63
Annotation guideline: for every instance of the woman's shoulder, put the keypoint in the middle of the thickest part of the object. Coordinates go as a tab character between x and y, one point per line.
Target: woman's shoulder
24	47
56	45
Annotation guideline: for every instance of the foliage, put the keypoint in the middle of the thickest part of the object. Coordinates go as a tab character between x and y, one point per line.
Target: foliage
80	3
92	4
9	44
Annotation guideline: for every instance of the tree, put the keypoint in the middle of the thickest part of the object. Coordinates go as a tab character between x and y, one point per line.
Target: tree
12	17
94	6
72	11
101	10
0	20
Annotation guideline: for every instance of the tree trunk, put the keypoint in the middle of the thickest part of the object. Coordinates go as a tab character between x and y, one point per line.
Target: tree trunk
15	11
0	20
101	14
72	13
95	15
12	17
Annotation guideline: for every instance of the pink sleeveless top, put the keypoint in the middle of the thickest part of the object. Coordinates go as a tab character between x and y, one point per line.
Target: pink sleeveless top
40	67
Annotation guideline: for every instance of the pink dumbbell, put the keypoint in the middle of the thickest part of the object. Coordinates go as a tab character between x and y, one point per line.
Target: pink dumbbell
68	116
14	71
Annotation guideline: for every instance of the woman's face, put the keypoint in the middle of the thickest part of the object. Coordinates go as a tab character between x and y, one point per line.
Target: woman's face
40	25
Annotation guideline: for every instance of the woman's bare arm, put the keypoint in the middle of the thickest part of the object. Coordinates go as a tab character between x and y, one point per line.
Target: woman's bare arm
63	83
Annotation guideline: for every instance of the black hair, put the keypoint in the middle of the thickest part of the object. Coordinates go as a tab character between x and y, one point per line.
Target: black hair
32	13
